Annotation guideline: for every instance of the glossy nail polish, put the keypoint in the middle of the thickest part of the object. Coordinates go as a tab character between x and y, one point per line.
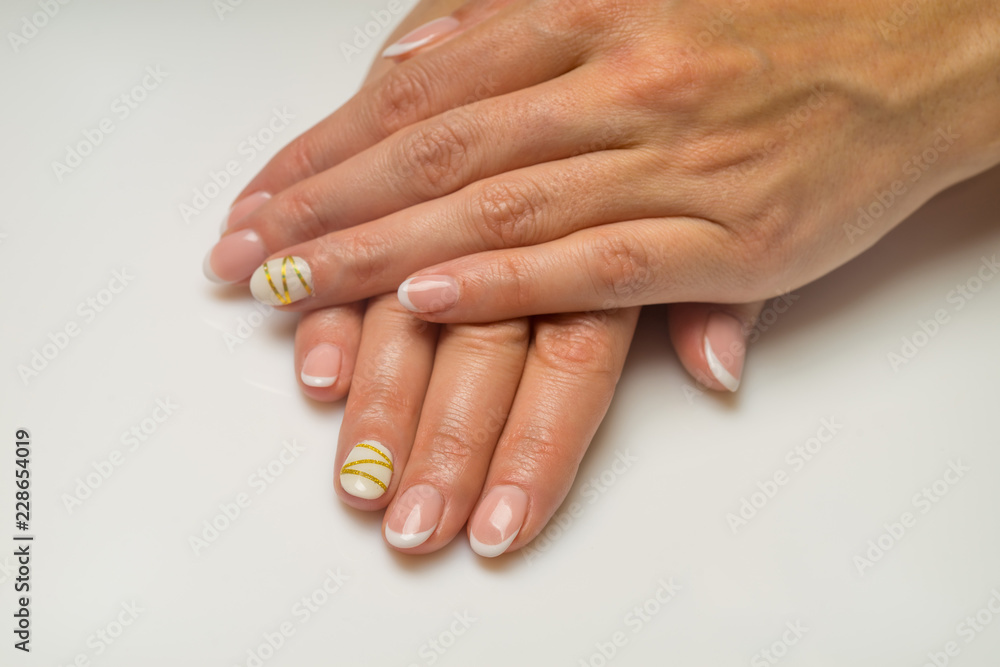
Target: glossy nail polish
243	208
422	36
725	349
234	257
414	517
321	367
428	294
498	520
279	282
367	471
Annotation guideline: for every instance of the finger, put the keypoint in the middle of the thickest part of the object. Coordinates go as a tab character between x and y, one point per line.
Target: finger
569	379
421	163
711	340
492	58
390	378
526	207
476	374
326	347
618	265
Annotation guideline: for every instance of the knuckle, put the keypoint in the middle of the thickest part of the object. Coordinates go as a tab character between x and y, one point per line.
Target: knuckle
513	273
381	396
453	443
434	155
301	158
487	339
508	212
584	345
299	209
620	267
401	98
366	256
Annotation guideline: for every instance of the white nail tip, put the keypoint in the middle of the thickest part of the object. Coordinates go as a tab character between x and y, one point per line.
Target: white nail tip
280	282
317	380
367	471
718	370
409	540
491	550
402	48
206	266
403	294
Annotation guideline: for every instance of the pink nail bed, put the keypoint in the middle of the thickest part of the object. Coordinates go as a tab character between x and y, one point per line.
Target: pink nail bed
243	208
428	294
725	349
235	257
414	517
321	367
498	520
422	36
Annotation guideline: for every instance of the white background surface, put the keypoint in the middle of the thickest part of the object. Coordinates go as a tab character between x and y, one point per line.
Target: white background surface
696	456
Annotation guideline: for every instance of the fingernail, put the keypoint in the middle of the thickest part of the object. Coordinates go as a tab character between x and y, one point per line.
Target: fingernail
725	349
234	257
498	520
322	366
279	282
414	517
243	208
422	36
367	470
428	294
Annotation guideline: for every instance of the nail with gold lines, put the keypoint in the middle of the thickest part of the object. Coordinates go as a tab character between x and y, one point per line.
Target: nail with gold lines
367	471
279	282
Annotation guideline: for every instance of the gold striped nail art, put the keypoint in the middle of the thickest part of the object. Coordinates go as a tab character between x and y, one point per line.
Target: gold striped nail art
365	476
265	288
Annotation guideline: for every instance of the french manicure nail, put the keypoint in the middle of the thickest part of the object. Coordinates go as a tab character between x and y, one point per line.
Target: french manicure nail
279	282
422	36
428	294
321	367
234	257
498	520
367	471
414	517
725	349
243	208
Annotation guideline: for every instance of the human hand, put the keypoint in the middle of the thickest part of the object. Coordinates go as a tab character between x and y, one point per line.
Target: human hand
559	156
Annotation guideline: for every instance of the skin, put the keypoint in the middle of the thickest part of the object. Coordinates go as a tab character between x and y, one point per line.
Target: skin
552	200
604	158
